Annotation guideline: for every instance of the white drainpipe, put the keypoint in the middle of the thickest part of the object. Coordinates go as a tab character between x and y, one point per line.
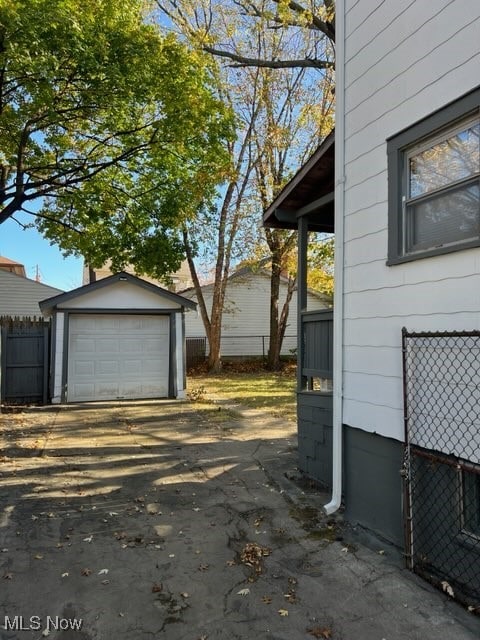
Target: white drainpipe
336	500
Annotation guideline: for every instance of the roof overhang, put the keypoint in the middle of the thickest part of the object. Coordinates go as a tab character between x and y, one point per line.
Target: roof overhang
51	303
309	193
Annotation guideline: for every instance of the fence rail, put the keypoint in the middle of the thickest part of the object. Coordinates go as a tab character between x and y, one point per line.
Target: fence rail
239	346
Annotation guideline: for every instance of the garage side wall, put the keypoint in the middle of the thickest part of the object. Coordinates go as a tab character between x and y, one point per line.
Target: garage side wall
180	347
58	351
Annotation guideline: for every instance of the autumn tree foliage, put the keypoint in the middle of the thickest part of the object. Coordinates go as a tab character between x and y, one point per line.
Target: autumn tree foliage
277	75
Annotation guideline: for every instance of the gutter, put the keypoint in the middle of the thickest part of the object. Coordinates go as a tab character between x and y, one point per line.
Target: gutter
337	449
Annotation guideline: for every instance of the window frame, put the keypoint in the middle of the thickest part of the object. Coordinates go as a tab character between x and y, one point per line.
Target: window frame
400	148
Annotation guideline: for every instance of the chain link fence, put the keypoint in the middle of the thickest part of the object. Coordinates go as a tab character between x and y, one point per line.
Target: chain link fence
442	460
238	347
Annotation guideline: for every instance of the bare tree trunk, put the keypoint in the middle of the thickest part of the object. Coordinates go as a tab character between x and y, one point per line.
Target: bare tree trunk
274	347
280	244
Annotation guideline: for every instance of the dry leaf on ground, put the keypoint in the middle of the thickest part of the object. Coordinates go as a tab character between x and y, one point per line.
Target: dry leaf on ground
320	632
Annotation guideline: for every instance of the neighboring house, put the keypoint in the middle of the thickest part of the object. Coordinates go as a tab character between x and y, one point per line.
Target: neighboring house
118	338
246	314
407	224
11	266
180	280
19	296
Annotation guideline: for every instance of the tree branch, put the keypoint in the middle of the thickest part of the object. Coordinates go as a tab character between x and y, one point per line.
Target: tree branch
242	61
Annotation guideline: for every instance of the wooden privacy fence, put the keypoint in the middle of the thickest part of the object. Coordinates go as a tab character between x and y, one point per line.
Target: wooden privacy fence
25	348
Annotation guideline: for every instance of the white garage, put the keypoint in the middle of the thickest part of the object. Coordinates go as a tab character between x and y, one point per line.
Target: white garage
120	338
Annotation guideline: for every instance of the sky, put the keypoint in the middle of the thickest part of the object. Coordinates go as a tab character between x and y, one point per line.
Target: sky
32	250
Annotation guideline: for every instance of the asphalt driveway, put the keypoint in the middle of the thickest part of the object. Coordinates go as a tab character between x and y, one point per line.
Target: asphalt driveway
175	520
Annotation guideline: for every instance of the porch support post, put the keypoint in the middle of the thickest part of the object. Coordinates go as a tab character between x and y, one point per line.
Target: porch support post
302	297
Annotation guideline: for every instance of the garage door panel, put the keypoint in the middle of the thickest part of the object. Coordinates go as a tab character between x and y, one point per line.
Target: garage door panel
118	357
84	368
107	367
83	345
107	345
133	368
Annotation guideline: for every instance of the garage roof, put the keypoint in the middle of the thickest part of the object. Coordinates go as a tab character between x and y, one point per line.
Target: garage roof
123	276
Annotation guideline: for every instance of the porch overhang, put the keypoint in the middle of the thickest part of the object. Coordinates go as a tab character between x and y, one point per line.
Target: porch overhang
310	193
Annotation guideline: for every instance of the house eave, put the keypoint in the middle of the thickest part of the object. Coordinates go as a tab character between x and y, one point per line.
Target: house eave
309	193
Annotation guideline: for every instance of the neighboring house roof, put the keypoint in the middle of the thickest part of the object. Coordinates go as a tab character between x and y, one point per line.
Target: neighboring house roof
19	296
181	279
244	273
310	191
13	267
50	303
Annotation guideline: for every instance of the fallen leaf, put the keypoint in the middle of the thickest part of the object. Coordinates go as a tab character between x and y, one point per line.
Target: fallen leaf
184	594
171	555
231	563
38	556
8	576
283	612
4	550
266	600
196	509
105	581
345	549
112	513
86	571
34	517
203	567
157	587
153	509
447	588
243	592
88	539
102	571
381	552
65	575
320	632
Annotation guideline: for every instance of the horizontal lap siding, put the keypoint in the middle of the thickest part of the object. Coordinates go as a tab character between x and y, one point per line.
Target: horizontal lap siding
246	317
403	61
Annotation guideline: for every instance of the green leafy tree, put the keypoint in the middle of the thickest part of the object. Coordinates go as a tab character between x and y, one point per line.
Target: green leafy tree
111	134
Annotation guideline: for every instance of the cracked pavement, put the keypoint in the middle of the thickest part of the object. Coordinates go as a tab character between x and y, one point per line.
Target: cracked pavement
161	519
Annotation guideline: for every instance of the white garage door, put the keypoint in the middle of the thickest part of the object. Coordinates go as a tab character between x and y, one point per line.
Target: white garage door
118	356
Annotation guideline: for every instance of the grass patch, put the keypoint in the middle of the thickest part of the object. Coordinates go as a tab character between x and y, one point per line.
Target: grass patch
271	392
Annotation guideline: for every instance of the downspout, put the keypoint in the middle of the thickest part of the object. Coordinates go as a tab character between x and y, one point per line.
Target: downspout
337	455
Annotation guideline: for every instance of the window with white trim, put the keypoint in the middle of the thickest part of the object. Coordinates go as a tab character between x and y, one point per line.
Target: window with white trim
434	186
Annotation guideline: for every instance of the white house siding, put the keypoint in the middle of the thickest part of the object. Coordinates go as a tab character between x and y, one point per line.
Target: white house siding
403	61
246	318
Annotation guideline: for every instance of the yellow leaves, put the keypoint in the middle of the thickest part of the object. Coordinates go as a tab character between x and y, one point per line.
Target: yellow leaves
283	612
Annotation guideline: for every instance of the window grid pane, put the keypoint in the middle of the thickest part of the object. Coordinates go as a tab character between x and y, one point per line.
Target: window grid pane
455	158
443	219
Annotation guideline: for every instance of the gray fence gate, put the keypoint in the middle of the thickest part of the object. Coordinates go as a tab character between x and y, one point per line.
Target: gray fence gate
24	360
442	460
